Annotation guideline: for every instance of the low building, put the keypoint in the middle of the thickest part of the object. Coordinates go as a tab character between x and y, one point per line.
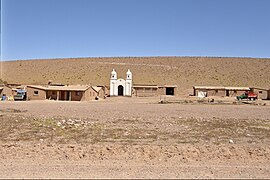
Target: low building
101	91
5	92
219	91
261	92
144	90
63	93
9	90
167	90
125	87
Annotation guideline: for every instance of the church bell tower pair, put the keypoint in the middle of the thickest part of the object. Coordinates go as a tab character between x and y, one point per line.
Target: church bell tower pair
121	87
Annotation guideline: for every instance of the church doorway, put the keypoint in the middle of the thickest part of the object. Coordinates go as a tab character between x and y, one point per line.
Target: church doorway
120	90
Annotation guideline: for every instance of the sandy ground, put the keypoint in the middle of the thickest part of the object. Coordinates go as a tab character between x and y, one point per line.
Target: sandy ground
134	138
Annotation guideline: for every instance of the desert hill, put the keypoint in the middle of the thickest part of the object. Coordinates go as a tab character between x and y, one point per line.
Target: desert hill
185	72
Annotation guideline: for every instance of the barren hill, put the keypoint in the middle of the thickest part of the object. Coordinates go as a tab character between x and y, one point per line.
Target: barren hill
185	72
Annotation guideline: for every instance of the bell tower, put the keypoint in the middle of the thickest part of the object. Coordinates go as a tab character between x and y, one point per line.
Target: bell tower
113	83
128	83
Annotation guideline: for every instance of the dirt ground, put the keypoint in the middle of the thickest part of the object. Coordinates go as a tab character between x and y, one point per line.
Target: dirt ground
185	72
135	138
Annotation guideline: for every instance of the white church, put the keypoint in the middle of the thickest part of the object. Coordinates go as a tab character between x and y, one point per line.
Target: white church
121	87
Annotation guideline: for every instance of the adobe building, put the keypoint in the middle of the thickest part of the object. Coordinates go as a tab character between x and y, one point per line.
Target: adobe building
5	91
153	90
168	90
9	90
142	90
125	87
64	93
262	93
219	91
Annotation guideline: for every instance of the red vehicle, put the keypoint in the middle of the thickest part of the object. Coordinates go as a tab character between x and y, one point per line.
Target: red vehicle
248	95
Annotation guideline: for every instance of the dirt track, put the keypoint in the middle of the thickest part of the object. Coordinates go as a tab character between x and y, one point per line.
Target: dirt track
133	138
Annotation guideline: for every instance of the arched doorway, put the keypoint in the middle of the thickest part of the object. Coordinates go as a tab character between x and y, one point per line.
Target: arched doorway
120	90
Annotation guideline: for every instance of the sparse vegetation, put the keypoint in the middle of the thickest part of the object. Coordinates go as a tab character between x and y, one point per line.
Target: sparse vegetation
185	72
188	130
134	132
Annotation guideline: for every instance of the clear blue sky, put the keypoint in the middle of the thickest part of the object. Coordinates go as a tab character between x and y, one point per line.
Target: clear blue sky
36	29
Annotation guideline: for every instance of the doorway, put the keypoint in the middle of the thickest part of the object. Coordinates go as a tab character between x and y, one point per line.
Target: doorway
120	90
170	91
227	93
68	96
64	95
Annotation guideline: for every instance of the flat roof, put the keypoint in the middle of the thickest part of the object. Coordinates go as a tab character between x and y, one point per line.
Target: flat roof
221	88
4	85
145	86
263	89
61	88
237	88
171	86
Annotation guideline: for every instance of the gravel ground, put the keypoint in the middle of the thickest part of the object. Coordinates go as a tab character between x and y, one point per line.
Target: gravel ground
134	138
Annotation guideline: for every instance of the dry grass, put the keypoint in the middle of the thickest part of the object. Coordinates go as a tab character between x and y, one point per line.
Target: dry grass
182	71
15	127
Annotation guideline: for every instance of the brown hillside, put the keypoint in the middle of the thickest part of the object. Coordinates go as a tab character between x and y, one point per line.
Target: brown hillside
182	71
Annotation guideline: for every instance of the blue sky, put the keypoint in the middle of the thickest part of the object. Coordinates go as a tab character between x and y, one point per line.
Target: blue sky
36	29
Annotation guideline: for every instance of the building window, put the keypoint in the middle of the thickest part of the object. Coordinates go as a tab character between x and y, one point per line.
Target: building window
53	93
216	91
260	92
78	93
35	92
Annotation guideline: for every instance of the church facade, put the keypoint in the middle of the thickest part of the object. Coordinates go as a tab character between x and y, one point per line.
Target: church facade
121	87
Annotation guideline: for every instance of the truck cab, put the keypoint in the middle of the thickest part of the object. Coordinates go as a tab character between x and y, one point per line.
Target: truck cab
248	95
21	95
